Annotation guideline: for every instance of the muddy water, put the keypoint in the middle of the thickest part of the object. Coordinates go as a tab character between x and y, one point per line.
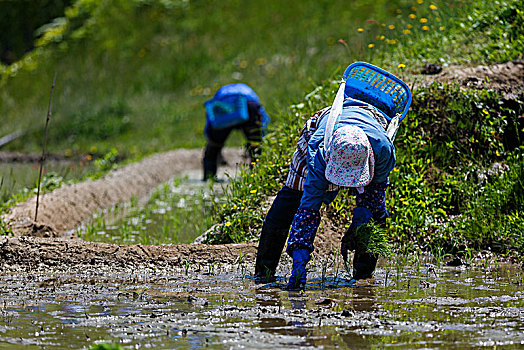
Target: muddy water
216	306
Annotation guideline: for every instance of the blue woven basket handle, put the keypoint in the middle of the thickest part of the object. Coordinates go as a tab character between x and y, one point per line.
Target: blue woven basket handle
387	75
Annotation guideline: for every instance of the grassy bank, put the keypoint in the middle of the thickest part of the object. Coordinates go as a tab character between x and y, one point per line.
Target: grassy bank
457	187
133	75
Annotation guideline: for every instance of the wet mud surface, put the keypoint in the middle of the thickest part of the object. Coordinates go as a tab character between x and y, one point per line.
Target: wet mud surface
217	306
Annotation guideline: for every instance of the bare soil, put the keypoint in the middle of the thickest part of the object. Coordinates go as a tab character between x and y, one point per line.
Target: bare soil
47	241
506	78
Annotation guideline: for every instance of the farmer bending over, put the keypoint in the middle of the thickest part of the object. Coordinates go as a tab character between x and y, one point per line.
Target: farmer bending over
360	156
234	106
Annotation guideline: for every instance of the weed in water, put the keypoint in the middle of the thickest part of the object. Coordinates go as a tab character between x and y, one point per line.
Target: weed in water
187	264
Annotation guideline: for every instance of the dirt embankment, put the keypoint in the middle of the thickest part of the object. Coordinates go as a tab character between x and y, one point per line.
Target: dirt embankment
34	251
506	78
65	208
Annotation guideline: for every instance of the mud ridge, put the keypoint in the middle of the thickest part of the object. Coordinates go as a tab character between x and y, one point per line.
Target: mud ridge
37	251
505	78
65	208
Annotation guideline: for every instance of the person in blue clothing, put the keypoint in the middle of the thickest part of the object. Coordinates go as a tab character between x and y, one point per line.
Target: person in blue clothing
359	156
234	106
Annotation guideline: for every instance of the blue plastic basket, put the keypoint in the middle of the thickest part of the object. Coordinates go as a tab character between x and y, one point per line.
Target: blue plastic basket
377	87
227	111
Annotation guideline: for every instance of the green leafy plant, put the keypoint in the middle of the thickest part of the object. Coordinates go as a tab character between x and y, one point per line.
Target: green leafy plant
108	161
106	346
372	239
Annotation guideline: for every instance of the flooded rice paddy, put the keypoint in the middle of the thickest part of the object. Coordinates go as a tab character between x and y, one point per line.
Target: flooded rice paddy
217	307
175	212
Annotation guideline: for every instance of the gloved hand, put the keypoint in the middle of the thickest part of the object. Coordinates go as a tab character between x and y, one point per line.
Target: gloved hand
349	243
297	281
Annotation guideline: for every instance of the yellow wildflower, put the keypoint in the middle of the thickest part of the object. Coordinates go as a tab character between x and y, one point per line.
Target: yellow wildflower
420	1
402	65
433	7
260	61
360	30
412	16
253	191
442	28
406	31
382	37
423	20
371	46
409	26
425	28
235	206
228	224
391	26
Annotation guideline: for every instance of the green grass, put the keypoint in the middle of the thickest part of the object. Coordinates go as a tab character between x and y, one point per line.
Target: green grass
140	87
134	74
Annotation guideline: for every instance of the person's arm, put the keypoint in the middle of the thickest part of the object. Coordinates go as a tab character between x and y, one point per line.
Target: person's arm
371	204
307	217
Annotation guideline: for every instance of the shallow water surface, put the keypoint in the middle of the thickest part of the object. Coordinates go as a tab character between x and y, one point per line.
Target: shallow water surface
218	307
175	212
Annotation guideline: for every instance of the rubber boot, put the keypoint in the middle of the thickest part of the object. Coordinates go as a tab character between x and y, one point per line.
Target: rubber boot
270	246
363	265
298	278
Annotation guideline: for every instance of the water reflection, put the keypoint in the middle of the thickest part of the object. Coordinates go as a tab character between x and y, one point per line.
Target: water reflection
363	297
448	308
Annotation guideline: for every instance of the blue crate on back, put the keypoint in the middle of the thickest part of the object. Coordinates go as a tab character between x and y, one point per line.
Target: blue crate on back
377	87
227	111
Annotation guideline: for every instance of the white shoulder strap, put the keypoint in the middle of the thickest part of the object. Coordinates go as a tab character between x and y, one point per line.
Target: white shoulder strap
393	127
336	110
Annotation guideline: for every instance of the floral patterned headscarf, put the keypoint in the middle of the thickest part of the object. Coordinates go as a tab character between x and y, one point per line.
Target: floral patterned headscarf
350	160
